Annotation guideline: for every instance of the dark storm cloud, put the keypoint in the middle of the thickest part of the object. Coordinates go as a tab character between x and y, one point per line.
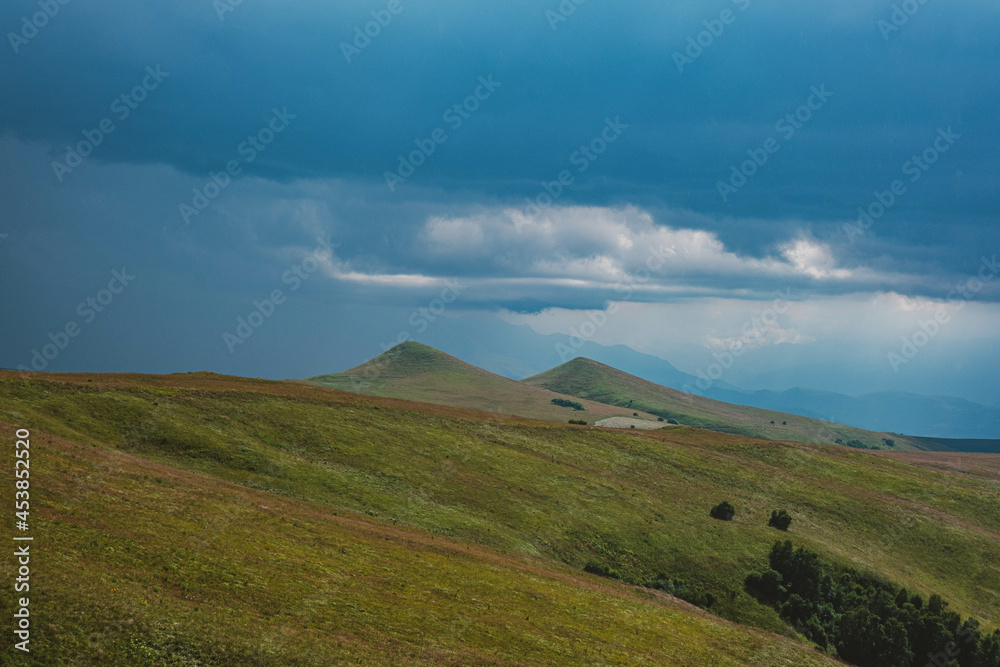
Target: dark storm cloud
558	86
553	86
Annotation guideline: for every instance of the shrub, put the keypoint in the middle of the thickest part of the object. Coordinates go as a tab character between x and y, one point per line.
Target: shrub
674	422
635	414
780	519
631	425
659	419
563	403
669	586
601	570
889	442
724	511
579	422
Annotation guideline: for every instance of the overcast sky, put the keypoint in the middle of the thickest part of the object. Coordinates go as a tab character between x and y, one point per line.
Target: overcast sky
538	157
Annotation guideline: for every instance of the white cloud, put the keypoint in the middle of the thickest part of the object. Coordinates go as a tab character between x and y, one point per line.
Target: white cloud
601	248
667	330
813	259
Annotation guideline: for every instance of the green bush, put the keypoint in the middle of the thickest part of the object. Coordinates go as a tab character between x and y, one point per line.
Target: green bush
669	586
579	422
601	570
659	419
857	444
674	422
724	511
563	403
780	519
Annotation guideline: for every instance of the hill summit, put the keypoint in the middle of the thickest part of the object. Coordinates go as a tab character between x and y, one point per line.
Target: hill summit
411	359
592	380
415	372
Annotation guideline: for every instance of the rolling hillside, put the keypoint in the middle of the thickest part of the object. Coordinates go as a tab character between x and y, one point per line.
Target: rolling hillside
594	381
415	372
184	502
143	564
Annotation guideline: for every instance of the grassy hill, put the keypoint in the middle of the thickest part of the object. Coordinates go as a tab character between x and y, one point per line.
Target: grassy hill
134	546
416	372
595	381
139	564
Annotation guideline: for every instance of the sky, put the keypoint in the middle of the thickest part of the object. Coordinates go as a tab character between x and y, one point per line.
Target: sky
282	189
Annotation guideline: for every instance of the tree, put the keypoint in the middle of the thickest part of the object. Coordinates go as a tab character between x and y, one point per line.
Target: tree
724	511
780	519
867	641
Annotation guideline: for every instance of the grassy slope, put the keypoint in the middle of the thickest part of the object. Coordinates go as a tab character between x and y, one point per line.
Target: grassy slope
637	501
137	564
416	372
597	382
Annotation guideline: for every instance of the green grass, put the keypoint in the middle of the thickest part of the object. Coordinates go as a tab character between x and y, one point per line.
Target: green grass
637	502
140	564
594	381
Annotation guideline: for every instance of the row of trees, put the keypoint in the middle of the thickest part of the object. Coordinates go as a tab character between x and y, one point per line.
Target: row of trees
867	620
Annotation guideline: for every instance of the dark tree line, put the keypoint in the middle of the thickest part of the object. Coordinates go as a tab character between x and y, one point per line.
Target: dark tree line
867	620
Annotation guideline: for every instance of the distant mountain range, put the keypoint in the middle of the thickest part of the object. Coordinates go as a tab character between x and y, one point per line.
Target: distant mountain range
518	352
417	372
897	411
